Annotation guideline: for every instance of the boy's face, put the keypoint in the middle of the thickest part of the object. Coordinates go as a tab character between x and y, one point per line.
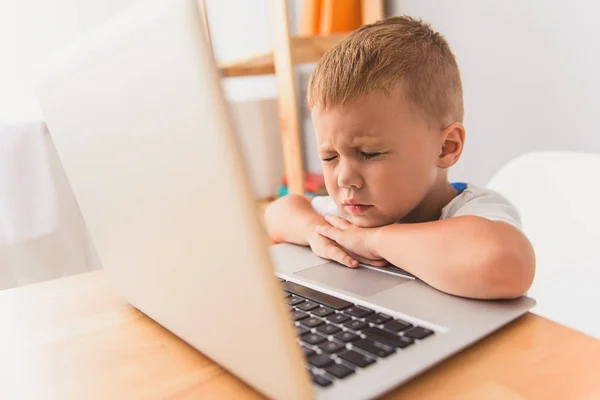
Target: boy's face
380	157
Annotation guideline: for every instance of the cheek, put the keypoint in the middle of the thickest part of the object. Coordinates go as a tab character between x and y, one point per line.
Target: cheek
419	167
402	183
330	180
389	182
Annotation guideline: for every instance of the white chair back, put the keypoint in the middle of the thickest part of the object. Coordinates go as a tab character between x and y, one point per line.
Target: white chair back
558	196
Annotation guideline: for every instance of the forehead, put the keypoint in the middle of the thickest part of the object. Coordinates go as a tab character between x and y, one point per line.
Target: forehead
368	120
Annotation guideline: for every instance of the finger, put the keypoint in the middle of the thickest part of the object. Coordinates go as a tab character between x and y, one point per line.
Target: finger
330	232
337	254
340	237
363	260
338	222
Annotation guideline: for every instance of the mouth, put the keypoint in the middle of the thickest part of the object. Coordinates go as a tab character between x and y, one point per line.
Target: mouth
356	208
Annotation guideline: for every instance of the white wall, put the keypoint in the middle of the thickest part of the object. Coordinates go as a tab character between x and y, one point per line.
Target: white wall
530	75
31	30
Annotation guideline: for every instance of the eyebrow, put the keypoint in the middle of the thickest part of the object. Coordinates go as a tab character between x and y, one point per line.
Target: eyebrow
360	141
325	149
356	143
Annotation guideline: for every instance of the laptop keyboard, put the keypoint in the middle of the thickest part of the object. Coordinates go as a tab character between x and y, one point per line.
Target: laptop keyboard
339	337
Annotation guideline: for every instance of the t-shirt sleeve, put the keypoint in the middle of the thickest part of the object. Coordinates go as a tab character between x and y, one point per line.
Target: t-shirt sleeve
487	204
324	205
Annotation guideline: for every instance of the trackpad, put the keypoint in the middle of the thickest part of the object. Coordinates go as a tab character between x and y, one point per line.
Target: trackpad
360	281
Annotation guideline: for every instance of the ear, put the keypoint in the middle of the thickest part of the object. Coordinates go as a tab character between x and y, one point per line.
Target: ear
452	140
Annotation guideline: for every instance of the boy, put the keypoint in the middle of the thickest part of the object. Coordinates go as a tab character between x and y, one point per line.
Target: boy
386	105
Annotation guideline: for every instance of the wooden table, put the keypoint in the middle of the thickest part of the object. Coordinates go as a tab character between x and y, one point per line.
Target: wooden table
75	338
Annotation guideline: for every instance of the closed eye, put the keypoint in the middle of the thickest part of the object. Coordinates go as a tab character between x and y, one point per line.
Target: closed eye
368	156
329	158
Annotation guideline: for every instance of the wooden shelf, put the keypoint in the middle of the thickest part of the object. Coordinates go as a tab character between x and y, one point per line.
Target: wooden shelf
289	51
304	50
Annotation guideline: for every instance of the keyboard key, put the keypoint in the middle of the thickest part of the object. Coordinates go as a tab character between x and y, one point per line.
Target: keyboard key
418	332
319	297
378	319
358	311
340	371
302	330
396	325
320	380
375	348
346	336
320	360
308	352
332	347
313	338
328	329
356	358
386	337
295	300
338	318
312	322
298	315
307	305
356	325
322	311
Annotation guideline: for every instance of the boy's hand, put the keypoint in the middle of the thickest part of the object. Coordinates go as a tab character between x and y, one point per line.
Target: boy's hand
355	240
329	249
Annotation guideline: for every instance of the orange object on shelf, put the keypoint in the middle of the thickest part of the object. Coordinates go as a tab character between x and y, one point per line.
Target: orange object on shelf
311	18
339	16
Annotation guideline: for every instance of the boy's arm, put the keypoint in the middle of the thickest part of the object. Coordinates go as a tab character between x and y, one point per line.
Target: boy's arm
466	256
292	219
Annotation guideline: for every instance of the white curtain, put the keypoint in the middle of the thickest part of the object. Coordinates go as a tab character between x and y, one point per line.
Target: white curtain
42	233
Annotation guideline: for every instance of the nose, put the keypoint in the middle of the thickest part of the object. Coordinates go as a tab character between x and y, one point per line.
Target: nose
349	176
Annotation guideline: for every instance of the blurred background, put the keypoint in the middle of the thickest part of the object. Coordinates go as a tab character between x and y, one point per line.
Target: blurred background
528	68
529	73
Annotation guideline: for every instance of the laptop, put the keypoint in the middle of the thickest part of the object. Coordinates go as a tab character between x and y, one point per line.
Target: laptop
138	117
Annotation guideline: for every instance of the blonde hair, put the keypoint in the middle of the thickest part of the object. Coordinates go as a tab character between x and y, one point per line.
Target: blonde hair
395	52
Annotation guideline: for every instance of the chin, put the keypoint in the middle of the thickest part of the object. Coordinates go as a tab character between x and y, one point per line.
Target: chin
363	221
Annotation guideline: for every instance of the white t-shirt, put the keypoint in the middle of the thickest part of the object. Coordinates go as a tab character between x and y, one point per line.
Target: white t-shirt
472	200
